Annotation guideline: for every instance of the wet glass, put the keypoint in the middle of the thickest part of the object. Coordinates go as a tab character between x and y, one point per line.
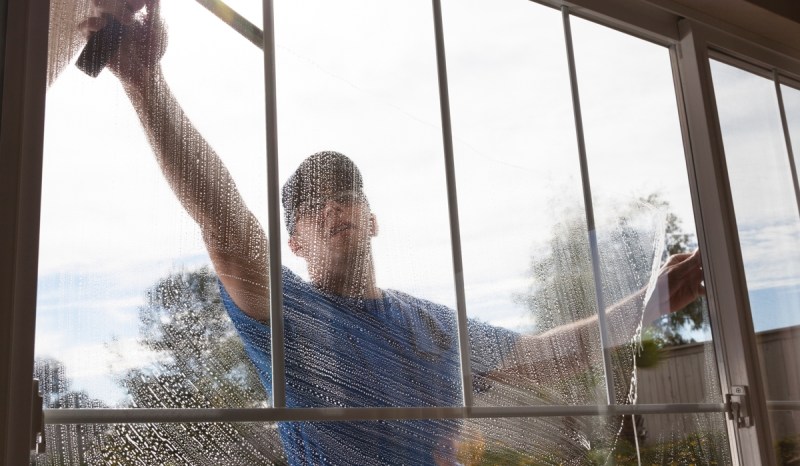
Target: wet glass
518	183
523	225
658	439
641	194
128	308
367	279
644	214
157	444
767	219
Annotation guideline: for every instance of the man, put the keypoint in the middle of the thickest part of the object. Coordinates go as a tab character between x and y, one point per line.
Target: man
348	343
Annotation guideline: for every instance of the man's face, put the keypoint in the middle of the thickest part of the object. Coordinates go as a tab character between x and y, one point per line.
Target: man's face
332	232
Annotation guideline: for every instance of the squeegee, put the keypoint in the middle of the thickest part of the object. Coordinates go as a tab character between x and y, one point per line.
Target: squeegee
102	44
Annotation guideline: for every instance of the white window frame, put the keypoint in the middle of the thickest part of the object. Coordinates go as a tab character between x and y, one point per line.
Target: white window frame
691	43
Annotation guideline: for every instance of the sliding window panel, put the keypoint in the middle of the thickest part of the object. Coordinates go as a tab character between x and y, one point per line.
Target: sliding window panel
769	230
529	285
643	214
129	311
643	209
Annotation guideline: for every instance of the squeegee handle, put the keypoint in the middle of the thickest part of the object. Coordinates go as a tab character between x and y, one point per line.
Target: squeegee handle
99	49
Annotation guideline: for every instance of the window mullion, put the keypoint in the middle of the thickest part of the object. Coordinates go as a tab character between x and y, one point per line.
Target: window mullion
589	208
452	203
273	213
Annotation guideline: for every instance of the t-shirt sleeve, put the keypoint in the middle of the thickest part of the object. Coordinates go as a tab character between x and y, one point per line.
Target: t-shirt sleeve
255	337
492	347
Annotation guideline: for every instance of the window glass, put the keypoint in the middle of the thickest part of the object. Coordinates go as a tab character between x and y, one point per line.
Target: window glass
638	175
791	105
518	173
769	229
376	102
642	202
157	444
127	299
368	288
131	313
128	309
655	440
524	234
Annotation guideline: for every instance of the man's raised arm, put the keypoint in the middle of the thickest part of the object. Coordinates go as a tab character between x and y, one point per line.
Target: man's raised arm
678	284
233	237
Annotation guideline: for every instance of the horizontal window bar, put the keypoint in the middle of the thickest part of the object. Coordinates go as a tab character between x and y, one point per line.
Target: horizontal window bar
783	405
145	415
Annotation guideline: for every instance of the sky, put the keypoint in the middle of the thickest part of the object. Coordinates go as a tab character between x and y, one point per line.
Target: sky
359	76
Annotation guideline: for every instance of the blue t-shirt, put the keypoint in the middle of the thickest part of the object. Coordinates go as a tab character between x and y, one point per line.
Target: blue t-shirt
397	351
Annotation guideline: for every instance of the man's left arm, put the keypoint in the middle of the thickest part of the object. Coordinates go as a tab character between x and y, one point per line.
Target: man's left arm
678	284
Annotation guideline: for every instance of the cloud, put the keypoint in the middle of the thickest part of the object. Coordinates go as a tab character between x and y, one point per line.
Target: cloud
93	367
770	253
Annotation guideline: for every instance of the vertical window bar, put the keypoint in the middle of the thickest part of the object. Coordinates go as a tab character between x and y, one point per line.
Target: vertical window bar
587	200
23	80
718	238
452	202
787	136
273	213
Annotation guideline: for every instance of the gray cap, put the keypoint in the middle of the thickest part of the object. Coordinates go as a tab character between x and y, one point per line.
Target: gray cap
319	175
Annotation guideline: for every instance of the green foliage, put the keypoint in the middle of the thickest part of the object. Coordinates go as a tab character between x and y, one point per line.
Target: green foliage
702	448
695	449
788	450
648	355
562	288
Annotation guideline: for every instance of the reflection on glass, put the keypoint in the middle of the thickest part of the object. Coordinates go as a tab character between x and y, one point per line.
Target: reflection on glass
769	228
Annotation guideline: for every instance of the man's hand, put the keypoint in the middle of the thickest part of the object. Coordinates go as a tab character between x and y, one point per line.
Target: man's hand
143	39
679	283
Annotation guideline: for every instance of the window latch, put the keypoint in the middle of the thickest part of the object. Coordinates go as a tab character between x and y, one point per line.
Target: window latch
37	419
737	406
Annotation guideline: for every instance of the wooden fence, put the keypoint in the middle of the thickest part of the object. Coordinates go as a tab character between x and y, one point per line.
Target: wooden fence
687	374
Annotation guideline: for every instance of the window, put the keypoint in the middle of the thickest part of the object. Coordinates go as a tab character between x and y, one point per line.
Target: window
502	153
763	183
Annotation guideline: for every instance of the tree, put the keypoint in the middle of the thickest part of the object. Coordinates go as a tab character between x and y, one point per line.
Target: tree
201	364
